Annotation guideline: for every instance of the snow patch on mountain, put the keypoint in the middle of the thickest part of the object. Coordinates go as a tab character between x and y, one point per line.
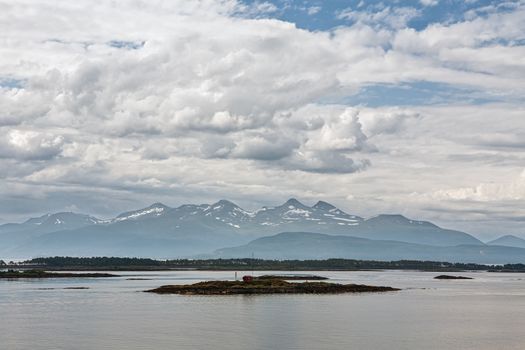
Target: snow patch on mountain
157	211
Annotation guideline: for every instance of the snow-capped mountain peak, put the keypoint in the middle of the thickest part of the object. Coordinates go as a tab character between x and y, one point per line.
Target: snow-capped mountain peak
61	221
293	203
228	213
321	205
223	206
322	216
215	225
156	209
38	221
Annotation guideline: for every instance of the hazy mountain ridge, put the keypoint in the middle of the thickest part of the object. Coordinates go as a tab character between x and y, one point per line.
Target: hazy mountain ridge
307	245
12	235
508	241
162	231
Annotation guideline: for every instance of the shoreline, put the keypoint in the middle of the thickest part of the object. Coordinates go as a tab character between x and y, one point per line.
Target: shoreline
159	269
40	274
247	264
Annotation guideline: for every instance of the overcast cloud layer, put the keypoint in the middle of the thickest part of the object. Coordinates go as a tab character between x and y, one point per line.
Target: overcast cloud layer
109	106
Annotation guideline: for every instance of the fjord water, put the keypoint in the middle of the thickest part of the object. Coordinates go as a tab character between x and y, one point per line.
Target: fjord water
487	312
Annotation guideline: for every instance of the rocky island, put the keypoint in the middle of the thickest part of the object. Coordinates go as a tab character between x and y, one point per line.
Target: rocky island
13	274
449	277
266	286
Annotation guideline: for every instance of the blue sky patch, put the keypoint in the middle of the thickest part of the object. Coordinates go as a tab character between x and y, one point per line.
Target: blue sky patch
11	83
325	15
129	45
413	94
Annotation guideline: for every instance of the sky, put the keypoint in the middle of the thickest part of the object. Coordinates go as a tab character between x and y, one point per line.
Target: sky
410	107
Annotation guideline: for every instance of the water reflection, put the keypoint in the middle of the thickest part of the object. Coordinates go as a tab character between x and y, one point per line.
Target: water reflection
485	313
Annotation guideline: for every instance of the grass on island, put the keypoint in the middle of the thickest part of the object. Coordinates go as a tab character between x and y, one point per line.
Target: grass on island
292	277
266	286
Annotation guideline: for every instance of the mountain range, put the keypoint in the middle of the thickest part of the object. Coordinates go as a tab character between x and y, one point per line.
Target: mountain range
206	229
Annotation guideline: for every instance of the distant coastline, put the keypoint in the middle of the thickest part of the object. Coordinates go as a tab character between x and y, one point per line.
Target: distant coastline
23	274
144	264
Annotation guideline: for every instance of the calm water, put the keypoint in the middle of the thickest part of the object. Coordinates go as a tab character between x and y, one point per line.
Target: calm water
485	313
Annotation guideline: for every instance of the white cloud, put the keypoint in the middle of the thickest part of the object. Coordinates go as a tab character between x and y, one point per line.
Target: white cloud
385	121
263	147
256	8
342	133
487	192
207	99
30	145
393	17
312	10
429	2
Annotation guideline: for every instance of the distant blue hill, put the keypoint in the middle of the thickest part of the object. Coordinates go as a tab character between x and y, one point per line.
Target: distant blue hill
307	245
509	241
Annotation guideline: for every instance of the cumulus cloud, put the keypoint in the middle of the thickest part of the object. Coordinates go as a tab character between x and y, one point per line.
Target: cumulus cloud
192	99
386	121
321	161
487	192
312	138
342	133
30	145
19	105
263	147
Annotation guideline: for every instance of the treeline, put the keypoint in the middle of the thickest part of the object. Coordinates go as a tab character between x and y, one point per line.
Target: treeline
116	263
65	261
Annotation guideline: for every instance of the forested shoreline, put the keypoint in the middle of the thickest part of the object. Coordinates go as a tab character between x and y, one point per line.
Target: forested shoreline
119	263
